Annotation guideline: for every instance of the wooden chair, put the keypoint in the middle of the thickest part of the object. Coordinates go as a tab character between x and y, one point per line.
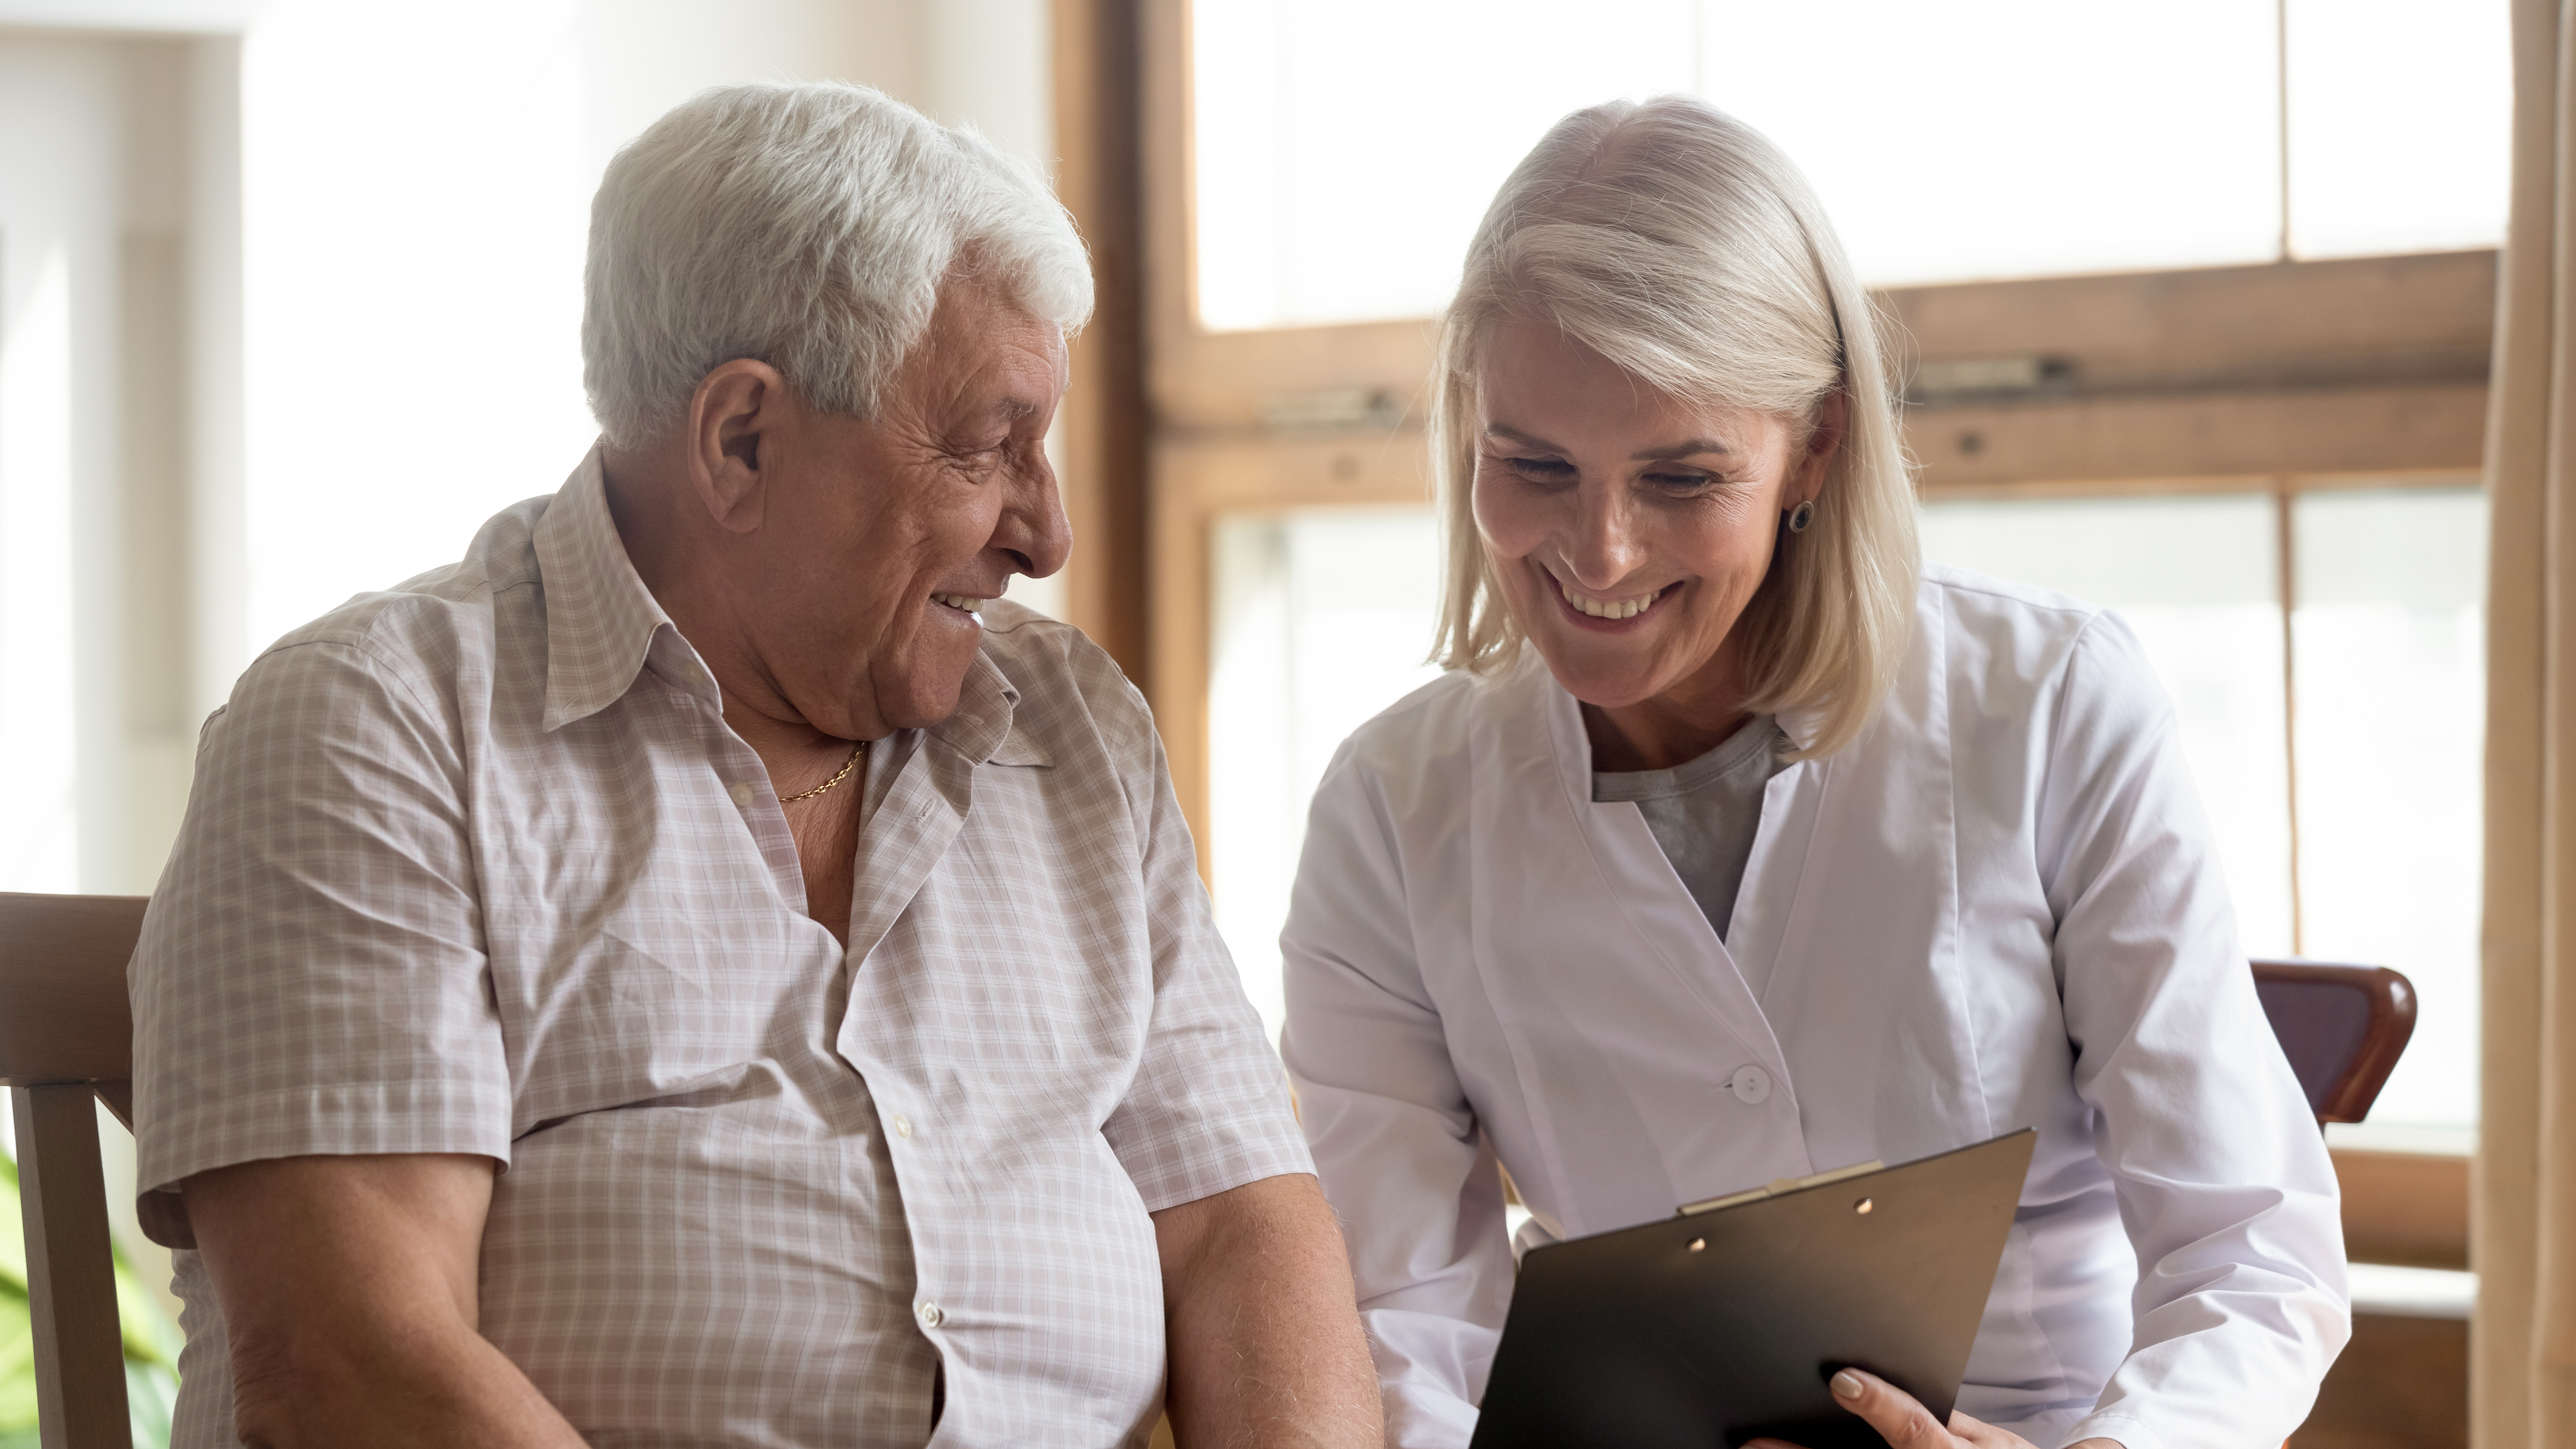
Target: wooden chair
66	1036
2343	1028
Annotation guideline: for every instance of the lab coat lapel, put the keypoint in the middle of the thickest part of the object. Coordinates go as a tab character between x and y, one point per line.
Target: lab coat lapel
1622	1010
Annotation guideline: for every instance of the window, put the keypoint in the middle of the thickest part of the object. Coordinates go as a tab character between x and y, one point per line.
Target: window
1323	617
1345	149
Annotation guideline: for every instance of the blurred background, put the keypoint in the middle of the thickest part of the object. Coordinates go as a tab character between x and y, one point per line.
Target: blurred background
2198	299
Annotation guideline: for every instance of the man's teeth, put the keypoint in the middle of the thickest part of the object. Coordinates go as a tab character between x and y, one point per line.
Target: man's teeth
959	601
1616	609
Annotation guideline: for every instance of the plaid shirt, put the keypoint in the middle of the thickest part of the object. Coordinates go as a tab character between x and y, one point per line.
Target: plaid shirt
475	866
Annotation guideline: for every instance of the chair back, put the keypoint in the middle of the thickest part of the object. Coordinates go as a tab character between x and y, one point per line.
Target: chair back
2342	1027
67	1037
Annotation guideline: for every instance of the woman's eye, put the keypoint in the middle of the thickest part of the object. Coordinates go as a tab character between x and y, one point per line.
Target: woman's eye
1679	482
1543	470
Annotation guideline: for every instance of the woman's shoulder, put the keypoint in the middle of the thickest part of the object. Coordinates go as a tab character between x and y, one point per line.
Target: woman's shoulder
2005	639
2032	626
1985	599
1422	726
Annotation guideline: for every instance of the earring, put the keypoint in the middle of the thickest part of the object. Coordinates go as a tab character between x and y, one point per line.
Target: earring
1801	516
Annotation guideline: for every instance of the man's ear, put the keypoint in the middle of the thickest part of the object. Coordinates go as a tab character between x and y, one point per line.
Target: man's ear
732	416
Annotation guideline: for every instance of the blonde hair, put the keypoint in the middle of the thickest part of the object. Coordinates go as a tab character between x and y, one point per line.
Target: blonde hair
1681	245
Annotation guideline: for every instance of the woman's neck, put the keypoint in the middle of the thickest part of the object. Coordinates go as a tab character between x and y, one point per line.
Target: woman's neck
1653	735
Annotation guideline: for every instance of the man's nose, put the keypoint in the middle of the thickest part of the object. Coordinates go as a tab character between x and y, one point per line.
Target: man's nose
1033	525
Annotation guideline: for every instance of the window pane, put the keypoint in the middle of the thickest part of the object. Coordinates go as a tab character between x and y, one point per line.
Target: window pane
2017	137
1323	617
2401	118
2198	581
2390	644
1346	150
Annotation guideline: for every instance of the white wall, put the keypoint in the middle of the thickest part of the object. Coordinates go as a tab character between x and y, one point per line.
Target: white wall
376	213
412	276
92	200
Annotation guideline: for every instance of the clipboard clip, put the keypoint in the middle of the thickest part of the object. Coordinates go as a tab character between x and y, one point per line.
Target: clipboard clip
1778	1186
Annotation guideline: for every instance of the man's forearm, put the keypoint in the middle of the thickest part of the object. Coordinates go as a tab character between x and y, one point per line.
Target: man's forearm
1266	1346
400	1385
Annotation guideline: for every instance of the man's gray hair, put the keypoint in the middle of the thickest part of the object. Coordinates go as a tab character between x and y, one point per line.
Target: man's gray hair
809	227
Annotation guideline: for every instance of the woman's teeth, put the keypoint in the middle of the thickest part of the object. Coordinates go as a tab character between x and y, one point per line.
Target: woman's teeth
1616	609
958	601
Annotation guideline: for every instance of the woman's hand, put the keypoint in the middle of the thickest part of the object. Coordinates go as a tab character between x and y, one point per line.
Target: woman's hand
1906	1424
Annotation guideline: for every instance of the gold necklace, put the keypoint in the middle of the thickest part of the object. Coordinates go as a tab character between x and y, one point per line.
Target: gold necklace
847	766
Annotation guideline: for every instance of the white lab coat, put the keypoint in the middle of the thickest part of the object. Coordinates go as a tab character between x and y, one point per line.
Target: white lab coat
1998	908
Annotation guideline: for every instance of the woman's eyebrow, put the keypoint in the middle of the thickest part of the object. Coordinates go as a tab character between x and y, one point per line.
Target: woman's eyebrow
1498	430
1678	451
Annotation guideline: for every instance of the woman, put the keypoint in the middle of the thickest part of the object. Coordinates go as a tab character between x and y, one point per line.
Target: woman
1734	848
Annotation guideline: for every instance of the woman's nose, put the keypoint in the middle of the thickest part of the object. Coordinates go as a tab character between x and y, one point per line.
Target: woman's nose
1605	547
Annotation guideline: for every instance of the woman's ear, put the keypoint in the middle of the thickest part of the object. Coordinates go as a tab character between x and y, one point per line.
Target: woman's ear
1824	440
732	414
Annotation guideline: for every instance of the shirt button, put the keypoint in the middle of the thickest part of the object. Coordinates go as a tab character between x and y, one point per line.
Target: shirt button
930	1315
742	792
1751	1085
902	1125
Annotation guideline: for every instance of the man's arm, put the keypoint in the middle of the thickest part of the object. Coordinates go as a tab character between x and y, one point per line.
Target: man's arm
349	1297
1266	1347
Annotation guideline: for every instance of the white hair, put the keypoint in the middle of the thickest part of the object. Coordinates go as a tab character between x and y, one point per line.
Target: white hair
808	227
1680	244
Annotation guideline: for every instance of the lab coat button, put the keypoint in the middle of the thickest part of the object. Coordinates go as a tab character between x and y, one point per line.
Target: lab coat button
1751	1085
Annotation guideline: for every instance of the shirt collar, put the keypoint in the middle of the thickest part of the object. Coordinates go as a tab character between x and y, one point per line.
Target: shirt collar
600	619
980	726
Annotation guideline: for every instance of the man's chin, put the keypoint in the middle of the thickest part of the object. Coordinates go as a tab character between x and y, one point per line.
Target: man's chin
918	704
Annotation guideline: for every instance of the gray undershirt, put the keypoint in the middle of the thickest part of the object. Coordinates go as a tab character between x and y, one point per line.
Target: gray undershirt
1704	812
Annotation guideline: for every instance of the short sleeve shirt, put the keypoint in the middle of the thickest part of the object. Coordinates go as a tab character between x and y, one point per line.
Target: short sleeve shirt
475	866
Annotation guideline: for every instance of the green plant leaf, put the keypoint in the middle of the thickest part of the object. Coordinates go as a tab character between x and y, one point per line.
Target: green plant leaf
13	1229
152	1340
17	1367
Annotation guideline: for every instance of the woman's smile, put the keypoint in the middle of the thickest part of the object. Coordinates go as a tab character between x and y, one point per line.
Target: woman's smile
1615	615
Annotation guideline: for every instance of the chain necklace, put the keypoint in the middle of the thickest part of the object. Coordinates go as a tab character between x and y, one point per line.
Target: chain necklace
847	766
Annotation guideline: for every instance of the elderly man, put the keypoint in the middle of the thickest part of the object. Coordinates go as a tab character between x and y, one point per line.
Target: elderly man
702	970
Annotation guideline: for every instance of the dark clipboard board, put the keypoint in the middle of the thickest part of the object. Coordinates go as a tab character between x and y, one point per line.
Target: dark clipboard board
1640	1339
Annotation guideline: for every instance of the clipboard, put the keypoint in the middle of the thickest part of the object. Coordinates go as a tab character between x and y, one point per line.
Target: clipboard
1723	1323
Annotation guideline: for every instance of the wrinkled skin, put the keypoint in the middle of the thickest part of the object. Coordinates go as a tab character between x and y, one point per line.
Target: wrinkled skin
805	547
